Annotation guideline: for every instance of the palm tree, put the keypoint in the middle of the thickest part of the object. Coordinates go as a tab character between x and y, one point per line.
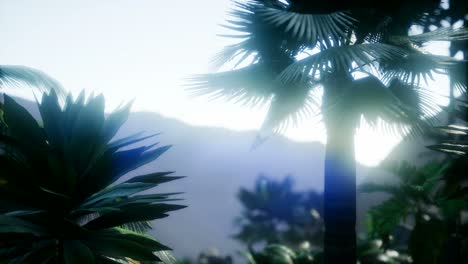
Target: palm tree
293	47
423	209
62	195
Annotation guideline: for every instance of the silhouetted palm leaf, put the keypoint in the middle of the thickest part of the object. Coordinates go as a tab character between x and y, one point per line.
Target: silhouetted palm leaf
259	38
440	34
417	66
341	59
324	30
290	104
250	85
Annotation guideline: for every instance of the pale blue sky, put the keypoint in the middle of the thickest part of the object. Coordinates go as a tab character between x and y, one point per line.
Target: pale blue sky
141	50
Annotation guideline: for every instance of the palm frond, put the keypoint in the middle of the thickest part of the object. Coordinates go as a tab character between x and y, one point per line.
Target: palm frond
290	105
258	37
420	99
16	75
458	74
416	67
138	227
455	147
238	52
314	29
340	59
441	34
397	109
250	85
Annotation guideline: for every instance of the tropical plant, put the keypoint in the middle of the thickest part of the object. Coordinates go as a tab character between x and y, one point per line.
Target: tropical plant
63	197
425	214
274	213
293	47
16	75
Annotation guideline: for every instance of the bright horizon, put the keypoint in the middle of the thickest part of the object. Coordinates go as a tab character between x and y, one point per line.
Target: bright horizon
142	51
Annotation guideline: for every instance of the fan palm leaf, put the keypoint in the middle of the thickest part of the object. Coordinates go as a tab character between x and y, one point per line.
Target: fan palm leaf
315	29
402	108
250	85
290	105
339	59
440	34
258	38
416	67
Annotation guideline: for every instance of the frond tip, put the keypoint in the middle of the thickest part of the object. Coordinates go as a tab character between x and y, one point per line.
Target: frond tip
324	29
16	75
252	85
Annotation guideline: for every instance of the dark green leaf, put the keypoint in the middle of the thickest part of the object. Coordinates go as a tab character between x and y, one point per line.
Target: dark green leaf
75	252
132	214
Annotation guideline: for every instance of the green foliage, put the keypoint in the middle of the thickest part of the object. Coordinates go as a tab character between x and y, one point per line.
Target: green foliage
63	197
413	191
369	251
275	213
387	216
273	202
419	207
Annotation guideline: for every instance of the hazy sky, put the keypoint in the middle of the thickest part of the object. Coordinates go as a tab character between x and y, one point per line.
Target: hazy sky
142	50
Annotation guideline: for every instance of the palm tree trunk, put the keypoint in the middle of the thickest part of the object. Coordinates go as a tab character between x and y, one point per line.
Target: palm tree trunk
340	196
340	173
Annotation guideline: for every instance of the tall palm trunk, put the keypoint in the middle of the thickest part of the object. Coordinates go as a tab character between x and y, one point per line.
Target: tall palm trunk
340	184
340	196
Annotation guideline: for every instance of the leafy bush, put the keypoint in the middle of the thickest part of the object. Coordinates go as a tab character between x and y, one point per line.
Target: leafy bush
290	225
417	207
62	195
275	213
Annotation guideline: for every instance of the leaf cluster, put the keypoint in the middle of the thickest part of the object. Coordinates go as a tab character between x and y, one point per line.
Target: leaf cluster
63	197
